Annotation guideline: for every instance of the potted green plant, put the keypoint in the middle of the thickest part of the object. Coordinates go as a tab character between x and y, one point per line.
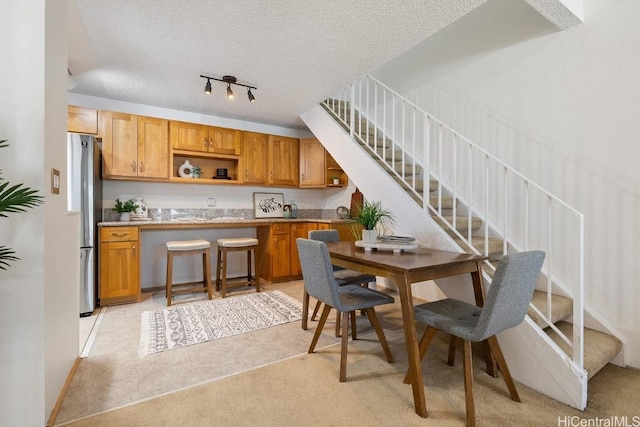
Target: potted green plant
336	180
13	199
125	208
370	215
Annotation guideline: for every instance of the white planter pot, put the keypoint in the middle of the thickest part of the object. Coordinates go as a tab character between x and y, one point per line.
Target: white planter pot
369	236
125	216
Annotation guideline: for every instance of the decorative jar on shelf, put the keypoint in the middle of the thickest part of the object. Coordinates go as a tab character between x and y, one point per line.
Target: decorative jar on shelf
294	209
185	170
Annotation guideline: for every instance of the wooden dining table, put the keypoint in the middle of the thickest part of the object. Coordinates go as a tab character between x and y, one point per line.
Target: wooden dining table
405	268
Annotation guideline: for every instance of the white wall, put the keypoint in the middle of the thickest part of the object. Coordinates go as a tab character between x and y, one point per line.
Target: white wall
563	109
38	298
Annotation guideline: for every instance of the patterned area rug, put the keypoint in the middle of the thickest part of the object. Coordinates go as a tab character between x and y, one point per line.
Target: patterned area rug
185	325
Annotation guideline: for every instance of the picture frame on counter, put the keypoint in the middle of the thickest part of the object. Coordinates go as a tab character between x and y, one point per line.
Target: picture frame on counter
268	205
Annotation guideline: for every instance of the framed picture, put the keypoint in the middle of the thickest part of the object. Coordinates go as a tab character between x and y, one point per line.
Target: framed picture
268	205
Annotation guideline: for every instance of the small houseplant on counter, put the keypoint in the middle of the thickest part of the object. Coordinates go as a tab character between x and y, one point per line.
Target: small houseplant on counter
14	198
371	215
125	208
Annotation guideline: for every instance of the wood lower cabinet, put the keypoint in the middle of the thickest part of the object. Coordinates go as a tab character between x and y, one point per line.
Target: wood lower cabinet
279	259
279	253
119	265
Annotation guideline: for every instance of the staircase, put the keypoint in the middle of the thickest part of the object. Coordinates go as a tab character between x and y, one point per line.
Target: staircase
408	158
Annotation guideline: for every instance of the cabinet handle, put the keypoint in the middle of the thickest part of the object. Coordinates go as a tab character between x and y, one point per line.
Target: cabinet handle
133	166
141	167
114	234
133	254
246	174
206	143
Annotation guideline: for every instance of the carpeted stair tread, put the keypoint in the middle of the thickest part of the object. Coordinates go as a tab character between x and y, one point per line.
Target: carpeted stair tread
561	307
599	347
462	222
447	202
495	246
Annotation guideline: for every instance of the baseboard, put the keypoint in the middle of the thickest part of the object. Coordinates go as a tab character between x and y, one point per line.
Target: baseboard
56	408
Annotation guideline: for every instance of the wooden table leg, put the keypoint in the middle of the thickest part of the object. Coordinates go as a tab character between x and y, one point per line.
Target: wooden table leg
479	293
411	340
305	309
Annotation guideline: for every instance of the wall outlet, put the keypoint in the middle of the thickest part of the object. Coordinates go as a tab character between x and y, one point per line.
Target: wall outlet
211	202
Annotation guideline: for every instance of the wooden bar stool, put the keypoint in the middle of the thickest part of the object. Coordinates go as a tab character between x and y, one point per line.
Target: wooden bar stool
227	245
189	247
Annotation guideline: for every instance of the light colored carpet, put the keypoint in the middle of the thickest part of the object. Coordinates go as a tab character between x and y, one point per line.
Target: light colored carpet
188	324
304	390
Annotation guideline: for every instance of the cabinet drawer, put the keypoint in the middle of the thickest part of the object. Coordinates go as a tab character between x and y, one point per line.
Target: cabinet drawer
118	234
281	228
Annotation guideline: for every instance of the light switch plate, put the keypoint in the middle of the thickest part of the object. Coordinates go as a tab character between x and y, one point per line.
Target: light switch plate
211	202
55	181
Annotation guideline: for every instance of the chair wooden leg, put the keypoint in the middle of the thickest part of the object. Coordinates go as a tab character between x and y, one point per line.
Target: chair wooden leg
492	368
169	278
305	309
315	310
425	341
343	347
452	350
206	261
502	364
468	384
375	323
352	316
218	266
316	336
337	324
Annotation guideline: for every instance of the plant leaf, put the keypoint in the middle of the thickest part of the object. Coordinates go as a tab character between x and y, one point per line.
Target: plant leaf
17	198
6	255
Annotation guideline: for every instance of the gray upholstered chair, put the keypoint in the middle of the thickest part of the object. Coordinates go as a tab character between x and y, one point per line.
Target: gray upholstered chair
320	283
505	306
344	276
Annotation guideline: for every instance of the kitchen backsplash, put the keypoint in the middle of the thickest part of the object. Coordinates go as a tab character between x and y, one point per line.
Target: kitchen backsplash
166	214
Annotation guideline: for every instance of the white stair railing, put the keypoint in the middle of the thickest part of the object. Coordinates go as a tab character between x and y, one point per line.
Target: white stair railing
444	171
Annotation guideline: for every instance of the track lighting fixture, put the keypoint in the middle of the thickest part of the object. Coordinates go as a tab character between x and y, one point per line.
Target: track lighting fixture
229	80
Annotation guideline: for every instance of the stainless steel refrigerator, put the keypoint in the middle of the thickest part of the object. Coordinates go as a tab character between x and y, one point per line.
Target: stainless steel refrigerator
85	196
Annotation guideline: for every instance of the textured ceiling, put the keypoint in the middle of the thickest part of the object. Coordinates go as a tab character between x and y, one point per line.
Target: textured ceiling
152	52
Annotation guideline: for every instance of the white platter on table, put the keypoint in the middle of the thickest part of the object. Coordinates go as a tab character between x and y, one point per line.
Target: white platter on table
396	247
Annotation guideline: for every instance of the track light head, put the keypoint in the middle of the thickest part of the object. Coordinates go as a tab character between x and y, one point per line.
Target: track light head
207	87
250	96
229	91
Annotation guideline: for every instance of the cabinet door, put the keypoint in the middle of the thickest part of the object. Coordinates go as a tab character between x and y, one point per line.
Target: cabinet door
281	256
153	147
283	161
187	136
297	230
255	158
119	144
312	163
223	141
119	272
82	120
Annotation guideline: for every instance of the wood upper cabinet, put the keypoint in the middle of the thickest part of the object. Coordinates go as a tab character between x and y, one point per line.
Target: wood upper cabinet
187	136
254	153
153	147
284	161
119	144
82	120
119	265
312	163
210	139
224	141
134	146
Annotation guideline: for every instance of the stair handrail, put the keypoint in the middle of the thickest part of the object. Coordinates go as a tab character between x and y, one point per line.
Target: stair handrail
361	111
